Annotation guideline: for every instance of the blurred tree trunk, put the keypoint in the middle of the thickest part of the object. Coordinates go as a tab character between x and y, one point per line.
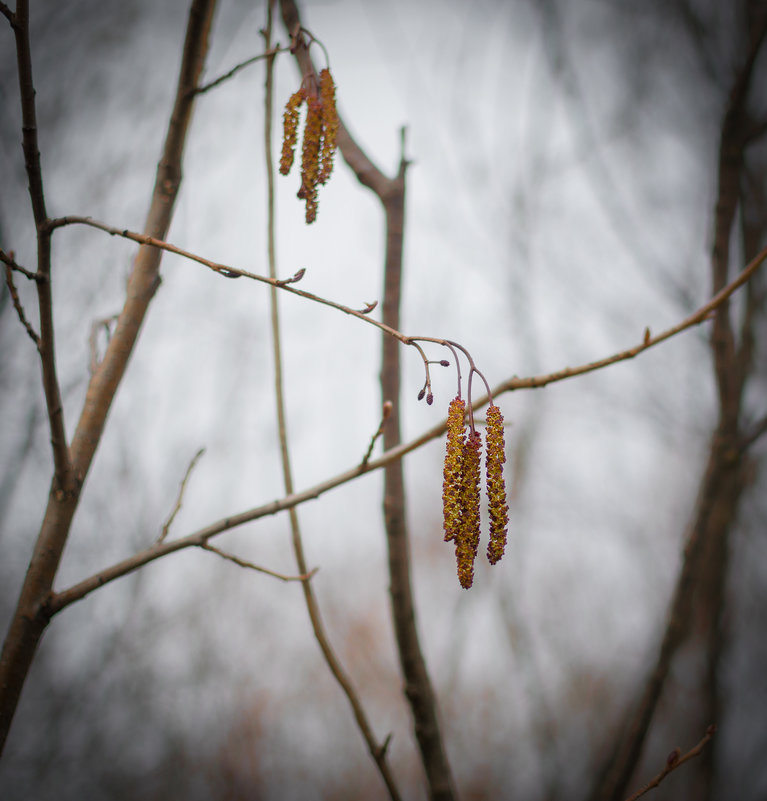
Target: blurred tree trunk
696	628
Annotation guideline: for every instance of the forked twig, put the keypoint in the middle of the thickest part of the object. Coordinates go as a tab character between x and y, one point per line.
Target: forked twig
673	761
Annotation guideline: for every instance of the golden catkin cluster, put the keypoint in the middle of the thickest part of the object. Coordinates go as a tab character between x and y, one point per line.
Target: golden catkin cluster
319	145
460	489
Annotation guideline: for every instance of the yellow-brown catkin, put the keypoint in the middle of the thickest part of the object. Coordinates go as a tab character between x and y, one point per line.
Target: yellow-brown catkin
310	157
467	540
451	484
329	126
495	458
290	129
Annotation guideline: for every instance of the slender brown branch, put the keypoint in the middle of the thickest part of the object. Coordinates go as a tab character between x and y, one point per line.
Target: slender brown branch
231	272
386	411
180	497
206	546
8	259
269	54
64	479
19	308
648	341
673	762
338	671
696	318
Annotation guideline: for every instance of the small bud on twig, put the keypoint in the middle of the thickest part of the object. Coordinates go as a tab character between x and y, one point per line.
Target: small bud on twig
673	757
294	279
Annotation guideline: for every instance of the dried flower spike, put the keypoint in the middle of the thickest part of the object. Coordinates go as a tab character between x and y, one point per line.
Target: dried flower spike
451	485
290	129
329	125
495	457
320	132
467	540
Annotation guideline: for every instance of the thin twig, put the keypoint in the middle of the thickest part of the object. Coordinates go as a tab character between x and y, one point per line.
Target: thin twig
179	498
206	546
19	308
9	260
511	384
241	66
385	414
227	270
673	762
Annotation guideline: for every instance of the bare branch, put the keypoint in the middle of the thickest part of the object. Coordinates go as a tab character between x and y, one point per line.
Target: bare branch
386	411
78	591
696	318
514	383
241	66
206	546
9	260
169	522
17	305
229	271
673	762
